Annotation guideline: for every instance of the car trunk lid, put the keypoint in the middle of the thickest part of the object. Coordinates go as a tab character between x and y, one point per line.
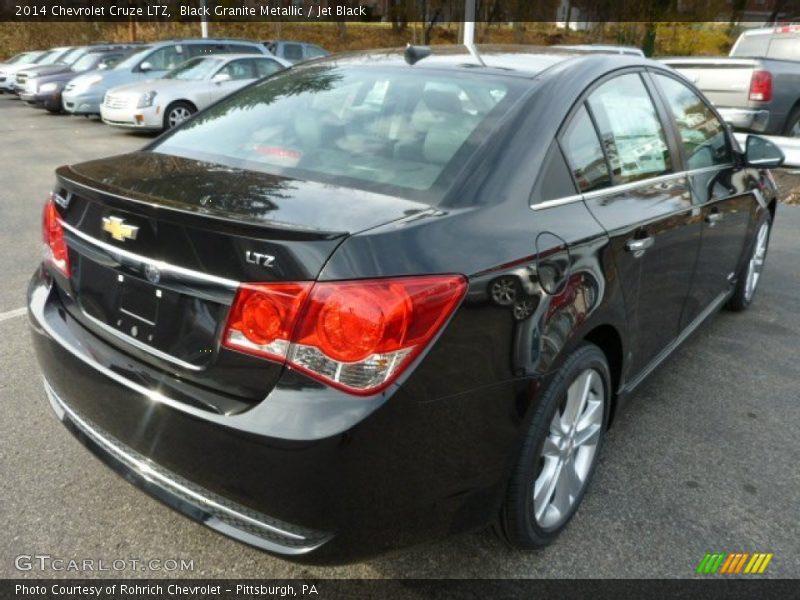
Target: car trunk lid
158	245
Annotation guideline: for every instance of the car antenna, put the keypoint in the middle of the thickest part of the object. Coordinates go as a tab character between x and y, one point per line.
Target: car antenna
414	54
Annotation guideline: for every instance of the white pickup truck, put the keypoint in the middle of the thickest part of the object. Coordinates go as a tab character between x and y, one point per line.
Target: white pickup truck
757	87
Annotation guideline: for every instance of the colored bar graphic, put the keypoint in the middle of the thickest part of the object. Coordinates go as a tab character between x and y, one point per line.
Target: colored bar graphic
734	563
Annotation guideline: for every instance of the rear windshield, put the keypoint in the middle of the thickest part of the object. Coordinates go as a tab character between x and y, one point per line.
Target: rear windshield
752	46
785	48
387	129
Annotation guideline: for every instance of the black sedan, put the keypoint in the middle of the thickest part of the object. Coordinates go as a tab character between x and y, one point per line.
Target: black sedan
378	299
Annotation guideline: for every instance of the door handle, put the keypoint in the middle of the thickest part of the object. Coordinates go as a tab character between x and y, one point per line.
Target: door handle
639	246
713	218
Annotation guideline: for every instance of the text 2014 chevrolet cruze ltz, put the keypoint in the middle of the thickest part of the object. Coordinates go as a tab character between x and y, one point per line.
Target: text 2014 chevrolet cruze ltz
381	298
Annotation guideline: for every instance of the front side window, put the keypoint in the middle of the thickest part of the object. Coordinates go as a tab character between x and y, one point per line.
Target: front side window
584	153
703	136
193	69
395	130
630	131
239	69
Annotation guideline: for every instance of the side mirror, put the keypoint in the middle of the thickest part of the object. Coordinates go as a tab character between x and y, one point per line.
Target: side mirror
103	66
760	152
145	66
220	77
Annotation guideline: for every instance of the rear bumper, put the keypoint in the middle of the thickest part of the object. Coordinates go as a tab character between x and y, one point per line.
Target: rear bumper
392	476
749	119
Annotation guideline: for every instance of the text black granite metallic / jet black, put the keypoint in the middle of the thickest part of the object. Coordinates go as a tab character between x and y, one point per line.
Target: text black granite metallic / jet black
377	299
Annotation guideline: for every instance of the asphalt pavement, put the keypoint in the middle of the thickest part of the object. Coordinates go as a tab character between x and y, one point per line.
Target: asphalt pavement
704	458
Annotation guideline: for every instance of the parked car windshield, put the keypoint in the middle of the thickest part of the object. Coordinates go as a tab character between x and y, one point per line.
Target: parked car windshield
194	68
46	58
17	58
86	62
71	56
393	130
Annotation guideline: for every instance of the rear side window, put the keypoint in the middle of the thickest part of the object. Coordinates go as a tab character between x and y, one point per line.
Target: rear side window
629	126
167	57
292	51
266	67
554	180
702	135
242	49
785	48
583	152
752	45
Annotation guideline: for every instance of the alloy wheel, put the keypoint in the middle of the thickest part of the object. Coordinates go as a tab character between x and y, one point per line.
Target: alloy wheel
756	264
569	450
178	115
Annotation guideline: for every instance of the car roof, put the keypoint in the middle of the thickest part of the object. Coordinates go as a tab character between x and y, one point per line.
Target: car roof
512	60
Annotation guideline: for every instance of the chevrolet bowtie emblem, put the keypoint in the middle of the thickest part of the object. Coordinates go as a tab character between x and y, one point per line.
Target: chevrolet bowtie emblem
118	229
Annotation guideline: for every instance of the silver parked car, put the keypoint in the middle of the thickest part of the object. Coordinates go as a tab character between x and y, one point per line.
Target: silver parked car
159	104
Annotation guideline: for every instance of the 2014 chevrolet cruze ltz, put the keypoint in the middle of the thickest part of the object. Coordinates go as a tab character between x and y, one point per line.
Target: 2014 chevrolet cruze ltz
384	297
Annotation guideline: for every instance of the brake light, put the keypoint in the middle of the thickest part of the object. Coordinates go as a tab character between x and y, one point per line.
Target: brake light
55	246
761	86
358	336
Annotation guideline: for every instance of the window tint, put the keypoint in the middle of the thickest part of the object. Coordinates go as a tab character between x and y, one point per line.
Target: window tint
702	134
266	67
292	51
167	57
584	153
554	180
752	45
239	69
314	51
392	130
242	49
629	128
785	48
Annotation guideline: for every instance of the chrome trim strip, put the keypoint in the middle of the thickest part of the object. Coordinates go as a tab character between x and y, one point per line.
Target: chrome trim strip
622	187
169	487
181	272
139	344
557	202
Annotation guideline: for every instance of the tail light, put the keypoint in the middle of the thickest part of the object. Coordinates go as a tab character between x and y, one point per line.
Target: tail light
358	336
761	86
55	246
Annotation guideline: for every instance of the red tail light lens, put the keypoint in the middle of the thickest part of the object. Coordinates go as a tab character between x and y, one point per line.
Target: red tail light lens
53	236
355	335
761	86
262	318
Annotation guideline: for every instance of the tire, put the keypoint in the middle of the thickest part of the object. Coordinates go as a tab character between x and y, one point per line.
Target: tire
527	523
177	112
792	127
749	274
